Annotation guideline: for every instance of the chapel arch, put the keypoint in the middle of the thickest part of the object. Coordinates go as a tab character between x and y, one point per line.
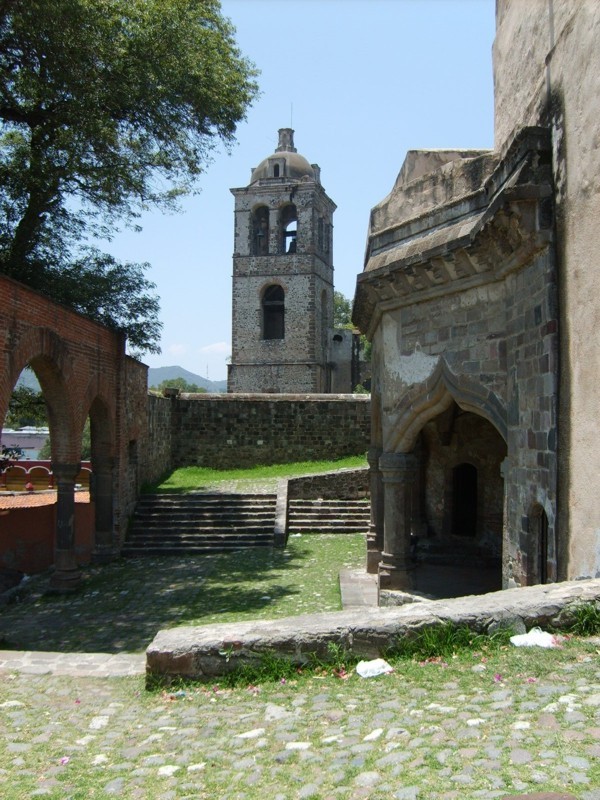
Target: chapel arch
435	396
453	504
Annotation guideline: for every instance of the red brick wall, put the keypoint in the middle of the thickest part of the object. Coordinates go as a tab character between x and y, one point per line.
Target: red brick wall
27	537
82	368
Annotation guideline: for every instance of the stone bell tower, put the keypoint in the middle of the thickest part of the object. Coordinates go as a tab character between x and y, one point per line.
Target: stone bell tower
282	277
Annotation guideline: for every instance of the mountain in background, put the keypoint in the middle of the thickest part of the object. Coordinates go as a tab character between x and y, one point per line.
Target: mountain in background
156	375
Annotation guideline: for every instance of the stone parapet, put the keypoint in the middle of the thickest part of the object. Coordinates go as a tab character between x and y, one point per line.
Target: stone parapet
204	653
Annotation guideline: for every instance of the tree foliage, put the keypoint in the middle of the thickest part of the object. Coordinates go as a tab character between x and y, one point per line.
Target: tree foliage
107	107
26	407
342	311
181	384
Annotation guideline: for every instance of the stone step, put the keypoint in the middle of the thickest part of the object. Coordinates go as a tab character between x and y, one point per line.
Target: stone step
132	551
205	499
176	544
200	523
200	519
203	534
328	516
330	505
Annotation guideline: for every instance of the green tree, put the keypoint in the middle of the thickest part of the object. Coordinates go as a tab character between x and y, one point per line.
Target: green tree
107	107
26	407
342	311
181	384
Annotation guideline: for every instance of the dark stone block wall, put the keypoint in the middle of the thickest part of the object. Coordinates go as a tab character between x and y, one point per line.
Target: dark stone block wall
347	484
157	455
224	431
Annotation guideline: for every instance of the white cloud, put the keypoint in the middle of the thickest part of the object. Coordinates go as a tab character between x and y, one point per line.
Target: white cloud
177	349
218	348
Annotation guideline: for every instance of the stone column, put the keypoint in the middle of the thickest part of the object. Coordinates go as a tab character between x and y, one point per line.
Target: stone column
274	237
102	495
66	576
399	472
375	534
418	524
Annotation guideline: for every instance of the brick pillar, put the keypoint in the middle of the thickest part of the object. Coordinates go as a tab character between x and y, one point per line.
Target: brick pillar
105	548
66	576
375	534
399	471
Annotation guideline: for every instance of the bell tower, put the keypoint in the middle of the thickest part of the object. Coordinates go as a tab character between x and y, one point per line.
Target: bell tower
282	277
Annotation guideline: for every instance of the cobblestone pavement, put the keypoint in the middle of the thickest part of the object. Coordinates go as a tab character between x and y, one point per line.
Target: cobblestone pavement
430	730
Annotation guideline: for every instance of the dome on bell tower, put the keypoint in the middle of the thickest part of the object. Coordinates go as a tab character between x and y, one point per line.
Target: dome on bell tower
285	163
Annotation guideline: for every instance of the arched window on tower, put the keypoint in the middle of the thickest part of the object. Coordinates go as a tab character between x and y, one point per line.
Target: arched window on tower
260	231
273	308
289	229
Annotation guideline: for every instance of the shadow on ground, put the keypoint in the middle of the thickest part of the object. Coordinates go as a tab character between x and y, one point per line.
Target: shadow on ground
122	605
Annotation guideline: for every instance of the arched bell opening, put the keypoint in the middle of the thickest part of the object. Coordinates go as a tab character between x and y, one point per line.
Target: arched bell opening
260	231
289	228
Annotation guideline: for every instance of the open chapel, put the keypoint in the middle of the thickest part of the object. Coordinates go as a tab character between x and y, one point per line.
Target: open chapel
481	295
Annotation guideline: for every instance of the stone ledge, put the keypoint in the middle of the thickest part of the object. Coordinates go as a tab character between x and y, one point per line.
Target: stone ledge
206	652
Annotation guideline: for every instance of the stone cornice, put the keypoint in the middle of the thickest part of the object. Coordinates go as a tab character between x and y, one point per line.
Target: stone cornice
477	240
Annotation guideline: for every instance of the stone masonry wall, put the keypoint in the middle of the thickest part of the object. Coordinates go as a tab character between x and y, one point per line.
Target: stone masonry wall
532	373
231	430
347	484
157	455
504	337
135	441
546	67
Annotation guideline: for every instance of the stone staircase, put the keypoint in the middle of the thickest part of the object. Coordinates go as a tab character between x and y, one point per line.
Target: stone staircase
328	516
196	523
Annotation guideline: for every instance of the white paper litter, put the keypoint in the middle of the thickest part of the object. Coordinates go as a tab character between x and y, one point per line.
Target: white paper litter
370	669
535	638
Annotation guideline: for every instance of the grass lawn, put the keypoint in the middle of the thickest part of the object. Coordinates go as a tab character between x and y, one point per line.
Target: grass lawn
188	479
122	605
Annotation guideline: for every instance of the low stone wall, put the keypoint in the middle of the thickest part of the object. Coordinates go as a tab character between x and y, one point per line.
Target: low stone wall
346	484
197	652
156	458
242	430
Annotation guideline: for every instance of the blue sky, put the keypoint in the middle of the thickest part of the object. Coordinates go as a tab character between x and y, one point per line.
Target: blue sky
361	82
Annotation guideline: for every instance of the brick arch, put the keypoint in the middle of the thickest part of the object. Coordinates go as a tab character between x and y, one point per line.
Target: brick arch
427	400
82	367
99	405
49	357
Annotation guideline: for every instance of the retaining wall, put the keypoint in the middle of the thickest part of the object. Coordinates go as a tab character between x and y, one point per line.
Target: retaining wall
347	484
241	430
